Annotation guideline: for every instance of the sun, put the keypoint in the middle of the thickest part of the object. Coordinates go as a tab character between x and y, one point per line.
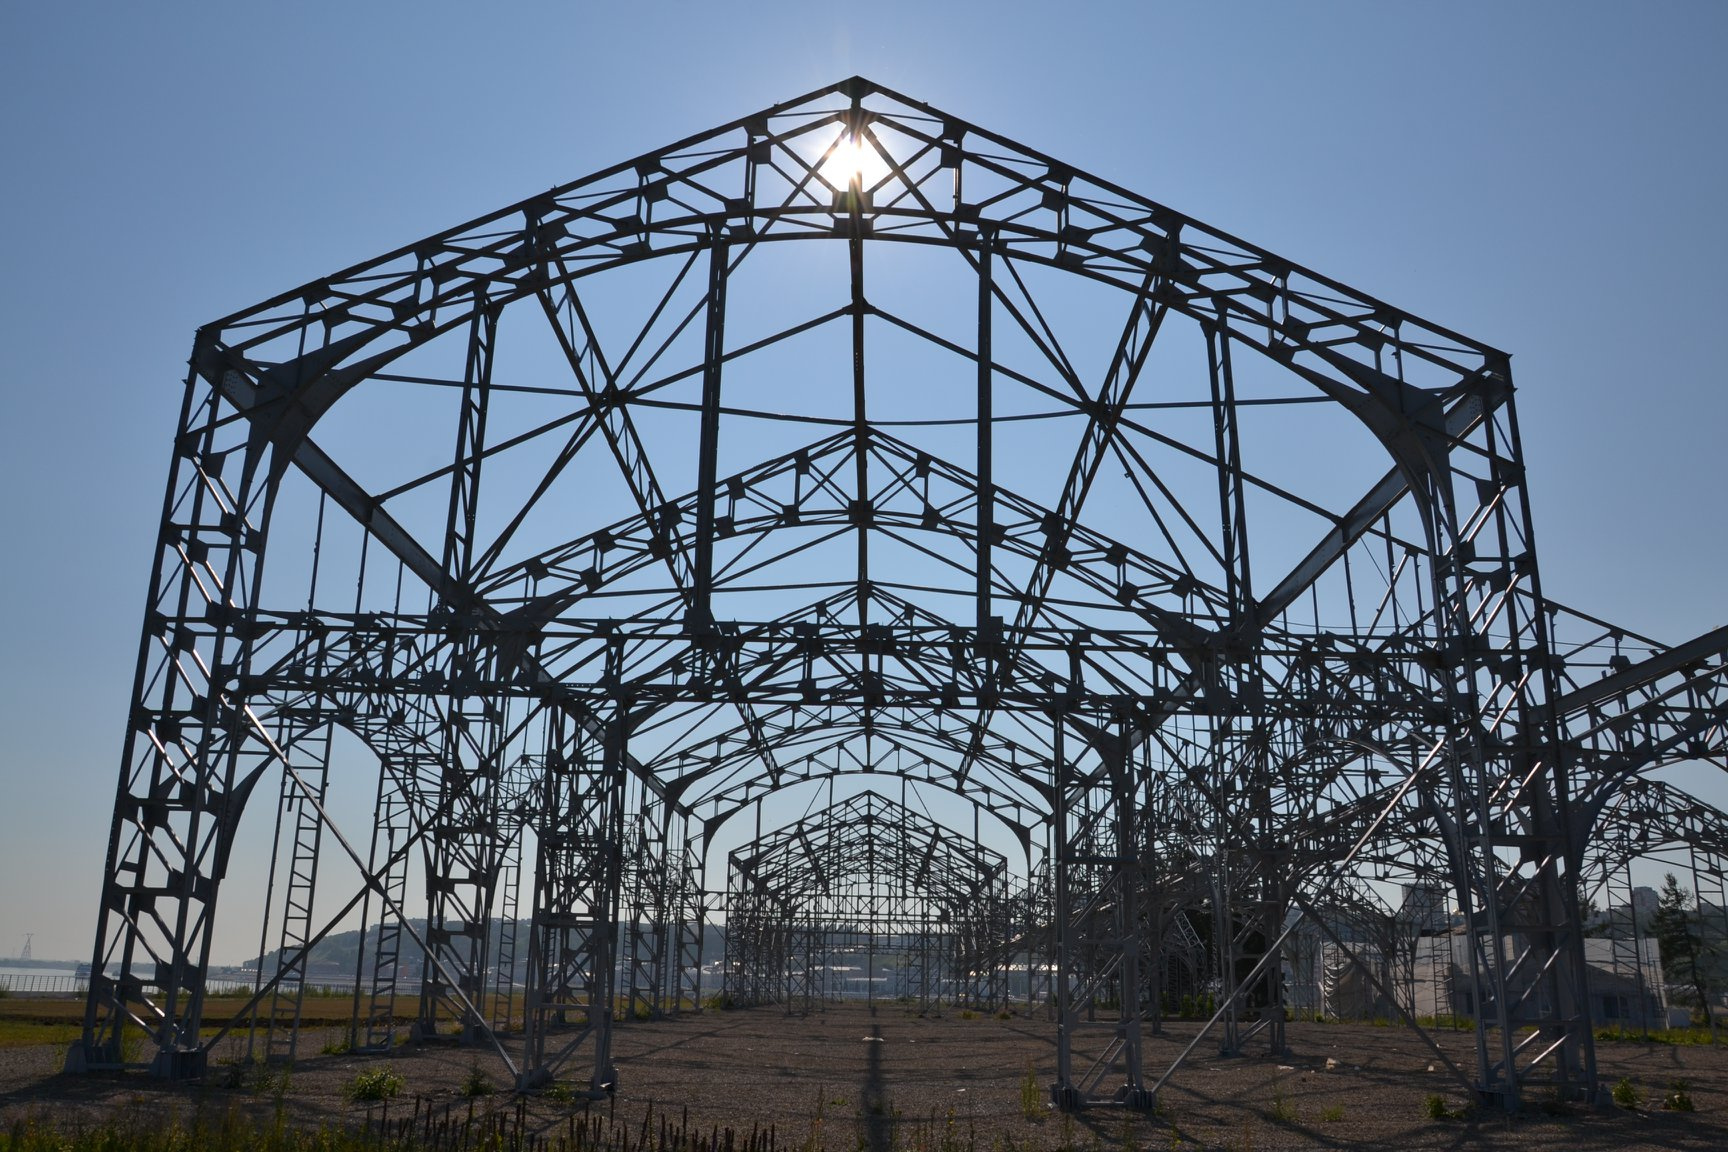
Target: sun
852	158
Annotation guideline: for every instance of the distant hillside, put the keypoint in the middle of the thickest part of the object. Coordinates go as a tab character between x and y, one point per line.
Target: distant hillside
339	952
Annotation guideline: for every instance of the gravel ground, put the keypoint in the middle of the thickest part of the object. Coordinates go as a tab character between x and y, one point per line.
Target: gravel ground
891	1079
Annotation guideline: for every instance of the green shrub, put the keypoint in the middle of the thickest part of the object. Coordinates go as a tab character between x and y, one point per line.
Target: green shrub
1625	1095
477	1083
1434	1107
1332	1113
1678	1098
377	1084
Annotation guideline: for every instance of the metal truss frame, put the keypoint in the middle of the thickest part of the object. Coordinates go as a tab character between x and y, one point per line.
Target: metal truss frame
868	875
1176	721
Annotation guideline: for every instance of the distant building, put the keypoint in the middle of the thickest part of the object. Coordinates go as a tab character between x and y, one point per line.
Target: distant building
1430	976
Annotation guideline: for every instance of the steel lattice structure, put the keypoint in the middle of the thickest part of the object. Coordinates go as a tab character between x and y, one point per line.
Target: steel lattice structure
851	440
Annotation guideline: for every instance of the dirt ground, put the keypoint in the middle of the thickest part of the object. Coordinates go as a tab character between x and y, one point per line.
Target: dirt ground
887	1078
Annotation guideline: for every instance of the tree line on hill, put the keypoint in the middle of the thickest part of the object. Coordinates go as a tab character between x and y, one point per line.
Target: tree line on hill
338	954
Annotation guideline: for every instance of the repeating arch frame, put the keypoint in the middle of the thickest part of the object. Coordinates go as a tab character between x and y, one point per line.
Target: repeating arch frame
1490	728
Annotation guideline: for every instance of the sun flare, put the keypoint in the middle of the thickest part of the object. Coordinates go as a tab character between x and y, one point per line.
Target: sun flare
852	159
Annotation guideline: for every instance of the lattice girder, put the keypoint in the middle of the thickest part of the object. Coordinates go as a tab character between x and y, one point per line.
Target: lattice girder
1302	673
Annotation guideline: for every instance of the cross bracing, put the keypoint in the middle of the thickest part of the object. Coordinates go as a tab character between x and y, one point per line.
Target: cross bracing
847	443
866	879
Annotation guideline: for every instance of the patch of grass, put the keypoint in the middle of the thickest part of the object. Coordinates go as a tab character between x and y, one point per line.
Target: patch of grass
337	1047
1435	1108
1455	1023
1678	1037
1625	1095
374	1084
209	1131
1332	1113
968	1014
26	1033
1283	1111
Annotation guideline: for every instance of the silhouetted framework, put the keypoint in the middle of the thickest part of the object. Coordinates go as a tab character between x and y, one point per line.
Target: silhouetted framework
1084	604
861	881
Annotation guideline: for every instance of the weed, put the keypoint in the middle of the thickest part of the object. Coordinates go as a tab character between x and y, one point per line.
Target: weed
968	1014
376	1084
813	1140
950	1140
1332	1113
256	1078
1625	1095
562	1093
476	1083
235	1074
1283	1111
1434	1107
337	1047
1678	1097
1031	1100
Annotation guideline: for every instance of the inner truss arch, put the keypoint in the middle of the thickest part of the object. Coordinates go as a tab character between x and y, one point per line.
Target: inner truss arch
846	449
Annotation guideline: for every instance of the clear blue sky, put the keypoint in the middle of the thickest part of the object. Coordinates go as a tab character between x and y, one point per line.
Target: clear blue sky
1549	178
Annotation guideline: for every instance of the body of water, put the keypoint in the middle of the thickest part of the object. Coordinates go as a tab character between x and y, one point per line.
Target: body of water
9	972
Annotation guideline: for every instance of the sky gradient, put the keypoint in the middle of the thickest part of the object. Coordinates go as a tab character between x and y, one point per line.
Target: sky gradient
1546	178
